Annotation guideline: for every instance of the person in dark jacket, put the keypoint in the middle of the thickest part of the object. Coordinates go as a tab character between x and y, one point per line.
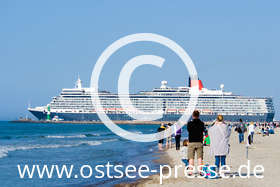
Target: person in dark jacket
178	132
241	130
196	129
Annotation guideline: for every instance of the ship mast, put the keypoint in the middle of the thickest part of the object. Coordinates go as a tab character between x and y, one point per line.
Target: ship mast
78	83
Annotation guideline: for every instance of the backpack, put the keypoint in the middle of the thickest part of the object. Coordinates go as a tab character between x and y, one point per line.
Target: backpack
238	129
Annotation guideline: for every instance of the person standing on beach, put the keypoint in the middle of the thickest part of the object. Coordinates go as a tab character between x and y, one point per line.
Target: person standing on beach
169	138
240	130
178	132
251	131
219	135
196	129
161	141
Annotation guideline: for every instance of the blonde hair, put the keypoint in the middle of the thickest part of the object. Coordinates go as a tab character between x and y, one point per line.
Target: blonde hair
220	118
185	142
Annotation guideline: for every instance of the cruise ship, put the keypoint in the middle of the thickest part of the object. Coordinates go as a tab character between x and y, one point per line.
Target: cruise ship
75	104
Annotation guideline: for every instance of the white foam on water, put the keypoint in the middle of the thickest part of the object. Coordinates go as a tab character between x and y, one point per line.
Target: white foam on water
110	140
74	136
3	153
4	150
92	143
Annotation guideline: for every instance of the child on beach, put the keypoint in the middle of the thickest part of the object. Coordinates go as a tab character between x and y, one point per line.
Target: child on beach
206	140
184	152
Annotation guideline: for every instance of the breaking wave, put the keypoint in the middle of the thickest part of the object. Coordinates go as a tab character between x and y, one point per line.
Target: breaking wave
4	150
72	136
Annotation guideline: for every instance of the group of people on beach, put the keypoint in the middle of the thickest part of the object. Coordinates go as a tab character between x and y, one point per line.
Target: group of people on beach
261	128
177	134
216	136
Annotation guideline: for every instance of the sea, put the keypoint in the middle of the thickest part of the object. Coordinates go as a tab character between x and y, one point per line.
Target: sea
71	144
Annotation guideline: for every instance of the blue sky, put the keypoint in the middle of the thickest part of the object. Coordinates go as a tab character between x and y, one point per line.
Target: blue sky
44	45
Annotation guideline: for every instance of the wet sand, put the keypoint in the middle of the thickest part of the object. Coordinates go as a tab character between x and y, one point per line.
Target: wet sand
265	151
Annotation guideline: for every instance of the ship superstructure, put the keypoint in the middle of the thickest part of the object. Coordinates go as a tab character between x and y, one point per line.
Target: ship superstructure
75	104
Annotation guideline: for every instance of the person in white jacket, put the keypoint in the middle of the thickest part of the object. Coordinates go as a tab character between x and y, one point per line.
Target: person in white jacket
219	135
251	132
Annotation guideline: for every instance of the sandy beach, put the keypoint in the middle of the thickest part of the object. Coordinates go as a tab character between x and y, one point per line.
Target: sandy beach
265	151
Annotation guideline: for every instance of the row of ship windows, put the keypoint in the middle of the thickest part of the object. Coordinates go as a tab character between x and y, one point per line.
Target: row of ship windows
174	96
160	104
153	109
172	99
164	106
167	102
171	106
216	112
